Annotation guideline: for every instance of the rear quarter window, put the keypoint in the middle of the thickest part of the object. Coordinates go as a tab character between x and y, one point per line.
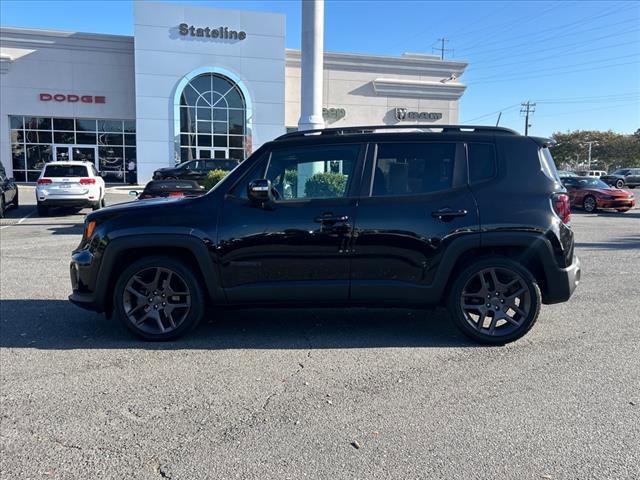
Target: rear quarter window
65	171
482	161
547	164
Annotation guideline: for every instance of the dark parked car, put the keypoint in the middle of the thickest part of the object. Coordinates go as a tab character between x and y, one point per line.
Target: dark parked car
8	192
624	177
592	193
170	188
474	217
194	169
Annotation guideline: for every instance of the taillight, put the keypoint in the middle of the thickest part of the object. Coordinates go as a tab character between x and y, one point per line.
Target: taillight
562	207
87	181
176	194
44	181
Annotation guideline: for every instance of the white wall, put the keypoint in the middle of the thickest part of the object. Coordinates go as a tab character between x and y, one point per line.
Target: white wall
41	61
163	58
410	81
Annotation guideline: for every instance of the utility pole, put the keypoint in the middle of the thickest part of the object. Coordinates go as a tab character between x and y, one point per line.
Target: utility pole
441	47
527	108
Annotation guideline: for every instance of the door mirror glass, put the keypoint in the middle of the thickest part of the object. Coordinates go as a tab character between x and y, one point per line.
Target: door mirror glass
133	193
259	191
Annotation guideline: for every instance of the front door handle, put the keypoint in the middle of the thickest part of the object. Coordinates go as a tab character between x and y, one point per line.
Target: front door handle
447	214
330	218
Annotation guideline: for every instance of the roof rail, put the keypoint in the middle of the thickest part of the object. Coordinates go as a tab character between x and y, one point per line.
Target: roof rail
375	128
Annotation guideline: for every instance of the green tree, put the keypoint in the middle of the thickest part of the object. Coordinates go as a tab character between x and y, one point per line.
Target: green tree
612	150
212	178
325	185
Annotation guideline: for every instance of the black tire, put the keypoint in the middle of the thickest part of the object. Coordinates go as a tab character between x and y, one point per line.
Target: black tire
103	203
631	187
43	211
97	205
145	329
15	203
2	206
530	300
619	183
589	204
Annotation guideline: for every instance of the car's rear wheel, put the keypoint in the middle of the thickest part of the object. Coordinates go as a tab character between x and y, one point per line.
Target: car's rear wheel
495	301
589	204
158	298
1	206
42	210
619	183
623	210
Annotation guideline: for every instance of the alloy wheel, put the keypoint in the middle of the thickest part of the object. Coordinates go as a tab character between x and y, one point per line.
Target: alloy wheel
589	204
496	301
156	300
619	184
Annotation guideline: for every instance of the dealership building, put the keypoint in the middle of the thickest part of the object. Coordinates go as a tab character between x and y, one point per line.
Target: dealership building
192	83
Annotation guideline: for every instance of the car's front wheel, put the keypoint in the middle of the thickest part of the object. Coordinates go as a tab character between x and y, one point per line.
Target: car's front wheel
619	183
495	300
589	204
1	206
158	298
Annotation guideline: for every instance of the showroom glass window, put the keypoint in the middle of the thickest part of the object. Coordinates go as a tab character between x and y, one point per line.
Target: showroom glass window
110	145
212	119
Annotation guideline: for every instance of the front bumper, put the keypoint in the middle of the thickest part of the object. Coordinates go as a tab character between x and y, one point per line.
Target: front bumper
562	282
82	271
630	203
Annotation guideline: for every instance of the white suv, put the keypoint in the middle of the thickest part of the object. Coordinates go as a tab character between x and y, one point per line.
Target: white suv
69	184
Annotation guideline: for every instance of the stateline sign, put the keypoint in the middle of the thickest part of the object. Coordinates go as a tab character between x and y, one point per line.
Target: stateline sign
222	33
405	114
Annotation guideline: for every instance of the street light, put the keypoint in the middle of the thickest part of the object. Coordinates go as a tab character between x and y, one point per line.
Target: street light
591	143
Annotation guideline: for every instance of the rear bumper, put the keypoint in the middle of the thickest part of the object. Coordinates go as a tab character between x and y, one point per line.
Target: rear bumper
562	282
67	202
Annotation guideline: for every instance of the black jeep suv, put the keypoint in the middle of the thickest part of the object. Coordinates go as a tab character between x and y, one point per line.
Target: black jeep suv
371	216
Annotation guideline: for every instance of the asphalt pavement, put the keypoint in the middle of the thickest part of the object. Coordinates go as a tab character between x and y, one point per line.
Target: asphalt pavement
319	394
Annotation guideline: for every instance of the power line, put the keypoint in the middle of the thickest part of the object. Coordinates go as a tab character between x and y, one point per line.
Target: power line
554	32
510	24
555	69
570	51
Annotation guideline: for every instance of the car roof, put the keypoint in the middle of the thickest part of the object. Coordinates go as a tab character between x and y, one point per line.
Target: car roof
68	162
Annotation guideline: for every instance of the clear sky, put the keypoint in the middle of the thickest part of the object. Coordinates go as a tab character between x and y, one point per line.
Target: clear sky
578	60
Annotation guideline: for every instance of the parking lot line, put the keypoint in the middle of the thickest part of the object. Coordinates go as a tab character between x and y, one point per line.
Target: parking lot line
19	221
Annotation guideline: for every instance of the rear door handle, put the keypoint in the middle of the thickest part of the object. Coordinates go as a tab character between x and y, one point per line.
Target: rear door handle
330	219
448	213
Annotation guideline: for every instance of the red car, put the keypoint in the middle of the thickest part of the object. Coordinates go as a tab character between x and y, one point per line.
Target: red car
592	193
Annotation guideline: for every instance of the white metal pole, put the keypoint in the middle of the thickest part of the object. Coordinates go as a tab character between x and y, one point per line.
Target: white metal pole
312	46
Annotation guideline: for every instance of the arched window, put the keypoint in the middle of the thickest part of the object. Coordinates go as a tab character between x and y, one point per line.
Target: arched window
212	119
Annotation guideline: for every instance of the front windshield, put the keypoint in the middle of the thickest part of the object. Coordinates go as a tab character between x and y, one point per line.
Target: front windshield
590	183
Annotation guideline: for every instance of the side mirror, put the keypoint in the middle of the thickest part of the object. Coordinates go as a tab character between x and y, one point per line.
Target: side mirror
102	174
133	193
259	191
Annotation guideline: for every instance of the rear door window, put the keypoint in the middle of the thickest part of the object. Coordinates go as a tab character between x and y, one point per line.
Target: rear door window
413	168
65	171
